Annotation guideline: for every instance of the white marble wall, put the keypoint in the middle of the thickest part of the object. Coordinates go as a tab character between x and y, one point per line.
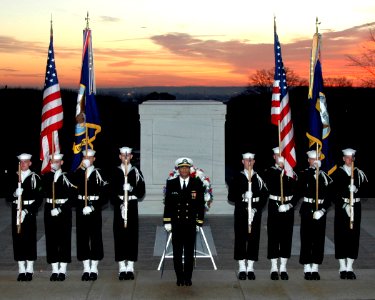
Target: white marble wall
172	129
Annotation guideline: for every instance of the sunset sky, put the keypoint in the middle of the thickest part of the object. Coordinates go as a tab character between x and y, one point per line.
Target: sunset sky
177	43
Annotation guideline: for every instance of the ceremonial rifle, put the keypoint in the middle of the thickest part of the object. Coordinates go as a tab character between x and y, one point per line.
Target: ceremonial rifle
126	192
351	200
249	203
19	201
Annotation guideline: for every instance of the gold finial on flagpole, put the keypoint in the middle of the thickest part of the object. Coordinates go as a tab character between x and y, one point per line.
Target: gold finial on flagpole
87	21
317	23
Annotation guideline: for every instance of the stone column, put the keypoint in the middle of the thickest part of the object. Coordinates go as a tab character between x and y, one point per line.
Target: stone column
174	128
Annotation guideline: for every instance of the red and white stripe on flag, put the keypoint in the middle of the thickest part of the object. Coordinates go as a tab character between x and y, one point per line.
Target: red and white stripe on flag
275	103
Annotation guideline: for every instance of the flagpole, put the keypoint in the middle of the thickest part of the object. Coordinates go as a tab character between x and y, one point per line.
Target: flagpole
317	179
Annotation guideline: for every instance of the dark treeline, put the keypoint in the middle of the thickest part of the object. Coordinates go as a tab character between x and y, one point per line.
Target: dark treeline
247	128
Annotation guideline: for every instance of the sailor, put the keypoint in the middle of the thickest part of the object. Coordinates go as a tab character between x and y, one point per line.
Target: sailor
349	184
249	198
128	187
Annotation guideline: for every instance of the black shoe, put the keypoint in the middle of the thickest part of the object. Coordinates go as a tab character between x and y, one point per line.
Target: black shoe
284	276
342	274
350	275
29	276
21	277
308	276
93	276
242	276
61	277
85	276
315	276
274	275
188	282
129	276
251	275
122	276
180	282
54	277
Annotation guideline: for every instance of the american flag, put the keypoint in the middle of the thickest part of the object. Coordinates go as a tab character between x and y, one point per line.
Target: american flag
52	111
281	112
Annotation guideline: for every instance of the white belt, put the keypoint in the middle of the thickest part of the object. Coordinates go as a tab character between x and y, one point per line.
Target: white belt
57	201
88	197
311	200
129	197
346	200
278	198
24	202
256	199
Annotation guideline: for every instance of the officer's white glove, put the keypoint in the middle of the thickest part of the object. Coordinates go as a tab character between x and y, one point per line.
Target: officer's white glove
168	227
318	214
127	187
285	207
18	192
352	188
347	209
197	228
85	163
55	212
317	163
87	210
23	214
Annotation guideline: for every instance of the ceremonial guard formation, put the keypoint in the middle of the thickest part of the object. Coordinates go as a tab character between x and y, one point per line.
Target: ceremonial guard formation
184	209
280	220
59	194
91	197
248	192
314	185
26	198
349	182
128	187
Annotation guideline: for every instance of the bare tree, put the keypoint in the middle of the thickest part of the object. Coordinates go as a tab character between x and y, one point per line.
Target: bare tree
366	61
338	82
264	78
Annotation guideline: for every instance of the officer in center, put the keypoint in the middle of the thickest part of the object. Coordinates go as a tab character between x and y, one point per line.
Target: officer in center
183	215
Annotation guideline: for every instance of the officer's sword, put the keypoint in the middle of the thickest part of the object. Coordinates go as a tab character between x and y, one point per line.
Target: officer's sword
164	253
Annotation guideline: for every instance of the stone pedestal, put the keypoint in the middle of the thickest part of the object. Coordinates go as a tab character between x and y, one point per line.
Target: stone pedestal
172	129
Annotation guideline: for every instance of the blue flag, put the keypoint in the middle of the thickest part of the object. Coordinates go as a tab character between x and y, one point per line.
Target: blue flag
319	127
87	116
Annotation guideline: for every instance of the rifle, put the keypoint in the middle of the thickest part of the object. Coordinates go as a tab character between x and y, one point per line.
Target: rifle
249	203
126	193
19	201
351	199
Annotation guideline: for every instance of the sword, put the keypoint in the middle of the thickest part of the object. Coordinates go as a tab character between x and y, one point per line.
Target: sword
167	240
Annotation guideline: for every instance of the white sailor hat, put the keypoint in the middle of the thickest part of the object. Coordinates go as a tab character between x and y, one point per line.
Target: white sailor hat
24	156
348	152
125	150
89	152
276	150
248	155
312	154
184	162
56	156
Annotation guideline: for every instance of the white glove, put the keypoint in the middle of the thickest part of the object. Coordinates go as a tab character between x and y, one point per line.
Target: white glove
248	195
127	187
168	227
280	160
318	214
86	163
87	210
347	209
352	188
197	228
18	192
55	212
317	163
285	207
23	214
54	167
123	211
